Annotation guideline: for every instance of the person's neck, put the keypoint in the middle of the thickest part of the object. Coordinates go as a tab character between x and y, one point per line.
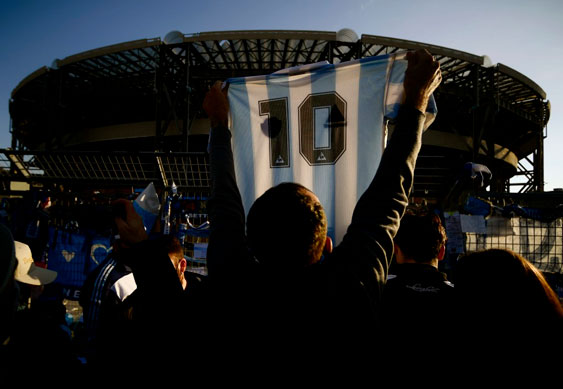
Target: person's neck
433	262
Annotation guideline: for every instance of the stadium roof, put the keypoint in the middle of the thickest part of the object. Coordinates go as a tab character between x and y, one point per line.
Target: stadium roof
120	83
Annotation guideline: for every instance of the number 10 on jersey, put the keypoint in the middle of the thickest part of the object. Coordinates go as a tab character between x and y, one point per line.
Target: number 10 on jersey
322	129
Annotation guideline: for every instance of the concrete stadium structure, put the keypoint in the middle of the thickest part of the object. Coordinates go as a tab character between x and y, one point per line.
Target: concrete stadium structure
130	113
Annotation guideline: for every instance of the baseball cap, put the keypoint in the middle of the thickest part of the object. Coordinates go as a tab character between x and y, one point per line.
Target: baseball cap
26	270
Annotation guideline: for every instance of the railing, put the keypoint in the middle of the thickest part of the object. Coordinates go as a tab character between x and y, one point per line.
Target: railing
187	170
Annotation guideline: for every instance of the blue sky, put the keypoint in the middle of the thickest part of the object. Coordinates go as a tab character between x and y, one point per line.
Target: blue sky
525	35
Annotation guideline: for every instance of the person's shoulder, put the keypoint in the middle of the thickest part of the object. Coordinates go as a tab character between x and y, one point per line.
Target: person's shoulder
447	290
448	284
445	282
394	282
196	280
393	279
401	274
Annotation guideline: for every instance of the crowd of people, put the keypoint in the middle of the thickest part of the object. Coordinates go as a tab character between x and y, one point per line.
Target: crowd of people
278	291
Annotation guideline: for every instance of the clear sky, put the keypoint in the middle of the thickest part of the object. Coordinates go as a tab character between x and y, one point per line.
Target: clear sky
525	35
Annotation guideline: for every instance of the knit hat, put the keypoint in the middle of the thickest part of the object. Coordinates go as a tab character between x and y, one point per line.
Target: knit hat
27	272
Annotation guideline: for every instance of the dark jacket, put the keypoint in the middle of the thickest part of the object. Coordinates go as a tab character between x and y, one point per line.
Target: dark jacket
106	314
169	324
418	303
325	308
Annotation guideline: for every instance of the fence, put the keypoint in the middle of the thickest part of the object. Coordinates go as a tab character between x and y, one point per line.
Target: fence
539	242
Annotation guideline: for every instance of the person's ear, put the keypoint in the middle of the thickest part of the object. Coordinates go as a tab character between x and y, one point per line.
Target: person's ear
398	253
442	253
182	265
328	245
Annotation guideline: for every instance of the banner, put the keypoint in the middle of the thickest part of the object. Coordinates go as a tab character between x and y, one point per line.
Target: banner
73	255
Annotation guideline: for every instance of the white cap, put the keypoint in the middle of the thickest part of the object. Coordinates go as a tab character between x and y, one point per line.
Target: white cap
27	272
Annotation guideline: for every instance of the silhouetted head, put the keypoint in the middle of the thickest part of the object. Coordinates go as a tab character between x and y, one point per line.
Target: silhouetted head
176	255
287	227
421	237
500	288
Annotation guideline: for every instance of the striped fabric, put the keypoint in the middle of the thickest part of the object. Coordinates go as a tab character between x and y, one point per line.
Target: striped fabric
320	125
92	315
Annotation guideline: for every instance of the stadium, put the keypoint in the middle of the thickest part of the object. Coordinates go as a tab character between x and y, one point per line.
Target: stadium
116	118
96	118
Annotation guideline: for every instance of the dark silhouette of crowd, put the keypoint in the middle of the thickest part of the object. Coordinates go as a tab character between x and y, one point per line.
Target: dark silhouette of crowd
279	293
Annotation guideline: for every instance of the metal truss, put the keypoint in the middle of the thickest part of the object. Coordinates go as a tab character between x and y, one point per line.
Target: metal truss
150	80
188	171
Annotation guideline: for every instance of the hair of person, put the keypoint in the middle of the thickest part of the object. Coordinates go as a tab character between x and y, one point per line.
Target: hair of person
505	285
421	236
174	248
287	227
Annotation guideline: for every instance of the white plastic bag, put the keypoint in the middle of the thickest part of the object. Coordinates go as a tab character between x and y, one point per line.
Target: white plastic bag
147	206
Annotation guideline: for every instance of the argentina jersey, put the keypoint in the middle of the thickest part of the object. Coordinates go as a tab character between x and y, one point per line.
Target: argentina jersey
319	125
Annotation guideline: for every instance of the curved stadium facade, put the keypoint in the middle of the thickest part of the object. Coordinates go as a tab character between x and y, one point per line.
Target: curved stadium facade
130	113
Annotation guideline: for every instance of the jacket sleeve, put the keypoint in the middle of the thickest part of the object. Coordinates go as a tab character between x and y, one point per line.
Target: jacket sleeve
227	250
367	248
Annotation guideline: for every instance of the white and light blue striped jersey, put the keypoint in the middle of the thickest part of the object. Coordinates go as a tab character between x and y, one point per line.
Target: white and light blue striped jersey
320	125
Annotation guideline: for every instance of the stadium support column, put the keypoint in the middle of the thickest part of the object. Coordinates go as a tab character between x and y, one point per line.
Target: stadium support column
54	109
475	114
186	122
538	164
15	142
164	102
158	81
60	108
